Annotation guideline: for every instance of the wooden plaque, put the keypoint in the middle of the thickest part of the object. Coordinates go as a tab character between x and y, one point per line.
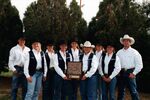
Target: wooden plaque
74	70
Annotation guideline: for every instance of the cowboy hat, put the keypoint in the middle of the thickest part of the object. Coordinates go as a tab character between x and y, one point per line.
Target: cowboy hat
87	44
127	37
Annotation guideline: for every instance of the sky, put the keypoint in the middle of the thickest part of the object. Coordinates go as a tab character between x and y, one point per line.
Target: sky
89	9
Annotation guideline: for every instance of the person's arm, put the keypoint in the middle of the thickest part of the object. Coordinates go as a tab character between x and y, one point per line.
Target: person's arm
94	67
138	63
116	69
26	66
57	68
11	60
100	67
45	67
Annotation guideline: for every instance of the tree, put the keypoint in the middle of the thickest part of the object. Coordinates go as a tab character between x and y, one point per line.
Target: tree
118	17
52	19
77	25
10	28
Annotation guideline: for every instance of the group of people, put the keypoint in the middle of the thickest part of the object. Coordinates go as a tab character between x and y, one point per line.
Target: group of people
102	69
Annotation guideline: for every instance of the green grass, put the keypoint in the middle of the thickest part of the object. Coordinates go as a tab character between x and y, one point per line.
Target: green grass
6	74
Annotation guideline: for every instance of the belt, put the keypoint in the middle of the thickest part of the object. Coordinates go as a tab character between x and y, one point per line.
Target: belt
40	70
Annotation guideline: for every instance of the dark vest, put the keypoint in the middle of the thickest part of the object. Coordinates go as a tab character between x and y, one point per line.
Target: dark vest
33	63
47	60
61	62
89	62
70	51
110	65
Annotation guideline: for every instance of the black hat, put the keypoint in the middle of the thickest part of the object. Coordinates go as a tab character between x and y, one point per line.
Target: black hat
21	36
110	44
50	43
74	40
62	42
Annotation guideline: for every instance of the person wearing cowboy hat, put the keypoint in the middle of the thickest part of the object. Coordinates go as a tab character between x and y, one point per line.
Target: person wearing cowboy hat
61	58
48	84
88	84
109	68
131	65
16	64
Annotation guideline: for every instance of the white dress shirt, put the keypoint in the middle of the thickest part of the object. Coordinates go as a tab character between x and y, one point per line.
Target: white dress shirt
17	56
117	66
39	64
56	65
94	65
130	58
98	54
75	54
51	56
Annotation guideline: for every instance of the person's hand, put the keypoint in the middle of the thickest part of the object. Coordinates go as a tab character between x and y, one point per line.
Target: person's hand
84	77
131	75
15	73
104	78
65	78
29	79
44	78
108	80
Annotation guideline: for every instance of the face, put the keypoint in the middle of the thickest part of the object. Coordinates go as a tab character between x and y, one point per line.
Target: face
98	48
110	49
87	50
74	44
63	47
36	46
21	42
126	43
50	48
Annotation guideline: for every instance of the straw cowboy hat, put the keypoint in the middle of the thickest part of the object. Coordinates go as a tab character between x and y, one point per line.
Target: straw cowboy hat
127	37
87	44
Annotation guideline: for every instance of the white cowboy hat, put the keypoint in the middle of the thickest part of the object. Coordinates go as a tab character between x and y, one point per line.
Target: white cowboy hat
127	37
87	44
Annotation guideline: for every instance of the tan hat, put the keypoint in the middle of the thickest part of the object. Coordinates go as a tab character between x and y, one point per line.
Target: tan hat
127	37
87	44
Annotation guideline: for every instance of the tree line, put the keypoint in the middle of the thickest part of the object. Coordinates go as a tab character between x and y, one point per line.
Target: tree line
53	19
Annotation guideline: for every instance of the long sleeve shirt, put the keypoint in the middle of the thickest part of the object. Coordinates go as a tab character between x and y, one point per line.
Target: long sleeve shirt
39	64
75	54
51	56
94	65
17	57
117	66
130	58
56	65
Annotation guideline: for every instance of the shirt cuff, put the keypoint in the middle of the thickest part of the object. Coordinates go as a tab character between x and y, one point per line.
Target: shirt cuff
134	73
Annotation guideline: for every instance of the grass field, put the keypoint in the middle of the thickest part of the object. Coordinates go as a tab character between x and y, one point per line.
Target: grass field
5	89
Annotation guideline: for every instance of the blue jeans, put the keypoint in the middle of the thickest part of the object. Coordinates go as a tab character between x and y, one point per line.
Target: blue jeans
48	86
18	80
124	81
99	88
34	87
88	88
109	88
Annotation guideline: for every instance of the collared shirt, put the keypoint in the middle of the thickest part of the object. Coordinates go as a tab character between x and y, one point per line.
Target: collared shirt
75	54
51	56
17	56
130	58
98	54
117	66
56	65
94	65
39	64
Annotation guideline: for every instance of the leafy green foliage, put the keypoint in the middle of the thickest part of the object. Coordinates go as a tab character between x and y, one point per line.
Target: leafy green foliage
10	28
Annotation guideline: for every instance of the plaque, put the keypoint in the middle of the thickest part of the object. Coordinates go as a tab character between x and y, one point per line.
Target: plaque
74	70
